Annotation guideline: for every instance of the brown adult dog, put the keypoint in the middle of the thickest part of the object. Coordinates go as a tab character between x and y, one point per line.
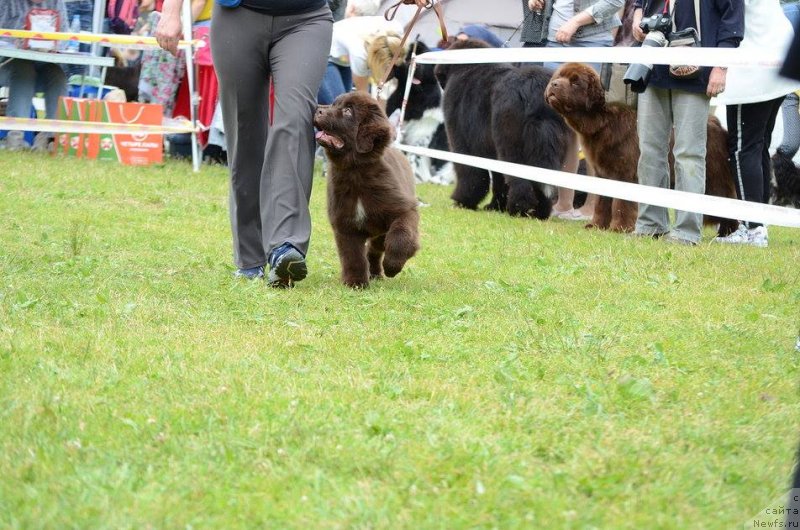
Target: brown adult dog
372	204
611	144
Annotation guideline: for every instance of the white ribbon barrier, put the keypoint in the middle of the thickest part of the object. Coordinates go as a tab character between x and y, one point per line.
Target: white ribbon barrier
680	200
730	57
168	126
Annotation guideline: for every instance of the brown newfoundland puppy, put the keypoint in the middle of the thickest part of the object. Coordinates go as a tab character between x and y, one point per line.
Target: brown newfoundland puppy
611	144
498	111
372	204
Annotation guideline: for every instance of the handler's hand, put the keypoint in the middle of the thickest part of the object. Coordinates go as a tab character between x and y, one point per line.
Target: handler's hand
636	31
716	81
566	31
536	5
168	33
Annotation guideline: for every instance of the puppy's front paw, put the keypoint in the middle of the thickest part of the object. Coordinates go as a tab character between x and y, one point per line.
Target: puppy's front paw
392	268
356	282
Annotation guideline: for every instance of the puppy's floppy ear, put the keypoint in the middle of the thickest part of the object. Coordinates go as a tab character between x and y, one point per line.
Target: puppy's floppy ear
595	95
374	131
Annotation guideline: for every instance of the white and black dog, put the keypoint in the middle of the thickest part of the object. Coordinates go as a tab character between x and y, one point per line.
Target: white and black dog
423	123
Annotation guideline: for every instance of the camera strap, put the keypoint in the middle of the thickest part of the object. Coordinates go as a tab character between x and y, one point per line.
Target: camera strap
670	6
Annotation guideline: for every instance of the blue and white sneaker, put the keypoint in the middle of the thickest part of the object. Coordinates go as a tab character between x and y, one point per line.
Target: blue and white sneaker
738	237
252	273
758	237
286	266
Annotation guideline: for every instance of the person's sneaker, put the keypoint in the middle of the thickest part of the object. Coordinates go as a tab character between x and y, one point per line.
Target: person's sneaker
41	142
675	240
286	266
738	237
645	235
15	141
757	237
253	273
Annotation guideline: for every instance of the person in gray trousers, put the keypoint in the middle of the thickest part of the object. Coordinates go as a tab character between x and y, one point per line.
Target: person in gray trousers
256	43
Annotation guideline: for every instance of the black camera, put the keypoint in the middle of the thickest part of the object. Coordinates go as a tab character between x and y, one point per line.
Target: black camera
661	22
657	28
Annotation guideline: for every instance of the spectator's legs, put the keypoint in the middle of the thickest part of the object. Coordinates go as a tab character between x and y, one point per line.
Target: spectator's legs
749	135
690	112
21	87
51	80
654	123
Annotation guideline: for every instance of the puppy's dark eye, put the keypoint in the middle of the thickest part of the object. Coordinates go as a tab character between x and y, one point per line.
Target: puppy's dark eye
347	111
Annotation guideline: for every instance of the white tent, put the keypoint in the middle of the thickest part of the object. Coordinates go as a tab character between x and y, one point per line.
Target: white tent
503	17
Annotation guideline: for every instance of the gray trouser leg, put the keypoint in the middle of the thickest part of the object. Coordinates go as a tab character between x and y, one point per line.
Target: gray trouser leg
658	110
691	130
271	166
654	123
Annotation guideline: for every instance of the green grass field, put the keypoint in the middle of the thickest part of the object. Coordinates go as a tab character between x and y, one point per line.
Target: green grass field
518	374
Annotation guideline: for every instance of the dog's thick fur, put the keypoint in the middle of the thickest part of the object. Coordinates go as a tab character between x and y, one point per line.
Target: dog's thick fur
611	144
498	111
786	188
423	123
372	205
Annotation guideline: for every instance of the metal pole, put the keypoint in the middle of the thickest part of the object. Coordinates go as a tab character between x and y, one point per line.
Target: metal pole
97	27
409	81
190	72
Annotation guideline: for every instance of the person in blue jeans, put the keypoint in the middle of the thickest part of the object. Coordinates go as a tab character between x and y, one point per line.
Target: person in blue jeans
26	78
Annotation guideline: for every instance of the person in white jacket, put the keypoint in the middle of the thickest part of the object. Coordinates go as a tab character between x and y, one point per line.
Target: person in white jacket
753	96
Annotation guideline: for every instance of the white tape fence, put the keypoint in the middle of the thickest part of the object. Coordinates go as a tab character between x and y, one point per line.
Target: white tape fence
680	200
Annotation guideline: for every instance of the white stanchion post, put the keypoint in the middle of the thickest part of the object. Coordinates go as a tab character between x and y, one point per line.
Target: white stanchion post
97	27
407	90
192	81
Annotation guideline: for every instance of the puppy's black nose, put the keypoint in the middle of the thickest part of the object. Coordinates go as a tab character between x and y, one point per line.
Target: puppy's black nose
321	109
554	83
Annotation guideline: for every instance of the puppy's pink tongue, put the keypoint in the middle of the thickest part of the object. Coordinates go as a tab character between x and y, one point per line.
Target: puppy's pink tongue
318	135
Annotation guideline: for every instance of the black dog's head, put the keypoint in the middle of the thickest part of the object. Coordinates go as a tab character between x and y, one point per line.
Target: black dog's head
443	71
424	93
354	123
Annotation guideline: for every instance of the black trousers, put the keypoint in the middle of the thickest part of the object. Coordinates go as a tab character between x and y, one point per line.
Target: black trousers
749	135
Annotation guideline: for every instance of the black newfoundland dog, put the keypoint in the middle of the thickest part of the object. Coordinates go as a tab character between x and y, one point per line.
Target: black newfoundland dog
498	111
423	123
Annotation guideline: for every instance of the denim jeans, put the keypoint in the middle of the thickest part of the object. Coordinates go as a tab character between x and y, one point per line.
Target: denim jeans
792	12
25	78
336	81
